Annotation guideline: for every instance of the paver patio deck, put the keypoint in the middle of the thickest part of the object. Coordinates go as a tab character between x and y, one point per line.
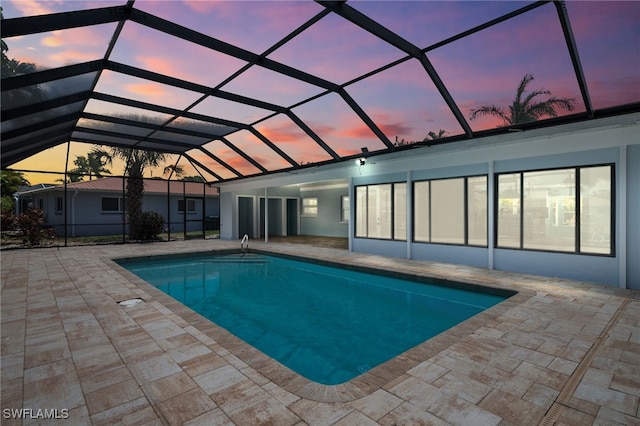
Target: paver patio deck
559	352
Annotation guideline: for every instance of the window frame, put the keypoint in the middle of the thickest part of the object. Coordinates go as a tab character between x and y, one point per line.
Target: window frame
309	209
344	211
465	215
392	213
120	208
578	204
191	205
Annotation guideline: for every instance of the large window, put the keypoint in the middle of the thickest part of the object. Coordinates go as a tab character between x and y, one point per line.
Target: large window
451	211
381	211
565	210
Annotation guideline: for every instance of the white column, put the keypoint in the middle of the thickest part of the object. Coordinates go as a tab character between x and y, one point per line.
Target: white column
266	215
491	215
409	213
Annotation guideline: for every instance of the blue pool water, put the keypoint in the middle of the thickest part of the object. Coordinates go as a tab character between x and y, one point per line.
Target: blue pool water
327	324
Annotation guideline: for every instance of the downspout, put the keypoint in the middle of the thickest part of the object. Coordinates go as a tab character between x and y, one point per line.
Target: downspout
352	203
266	215
73	213
621	237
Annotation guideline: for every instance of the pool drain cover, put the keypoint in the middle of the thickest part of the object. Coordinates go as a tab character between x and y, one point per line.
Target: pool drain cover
130	302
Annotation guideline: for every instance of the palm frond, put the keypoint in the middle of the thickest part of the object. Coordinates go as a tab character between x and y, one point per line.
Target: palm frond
490	110
540	109
528	78
563	103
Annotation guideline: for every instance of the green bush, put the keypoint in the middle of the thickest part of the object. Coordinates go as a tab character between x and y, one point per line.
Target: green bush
6	205
152	224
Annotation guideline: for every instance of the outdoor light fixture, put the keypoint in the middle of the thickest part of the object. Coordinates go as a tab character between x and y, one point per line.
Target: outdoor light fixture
361	161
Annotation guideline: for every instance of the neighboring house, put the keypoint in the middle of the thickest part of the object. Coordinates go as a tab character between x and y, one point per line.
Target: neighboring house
23	197
97	207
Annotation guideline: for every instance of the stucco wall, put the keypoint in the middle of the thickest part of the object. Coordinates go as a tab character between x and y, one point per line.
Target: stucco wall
613	140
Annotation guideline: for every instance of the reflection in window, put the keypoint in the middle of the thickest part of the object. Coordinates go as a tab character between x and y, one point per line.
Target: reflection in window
381	211
361	211
508	210
447	211
112	204
451	211
563	210
549	210
191	206
344	208
310	206
400	211
595	209
477	210
421	210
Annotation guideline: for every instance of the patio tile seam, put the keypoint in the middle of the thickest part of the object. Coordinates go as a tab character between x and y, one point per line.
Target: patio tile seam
564	397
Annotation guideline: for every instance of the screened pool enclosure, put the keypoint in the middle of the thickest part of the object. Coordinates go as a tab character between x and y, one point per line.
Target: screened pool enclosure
223	92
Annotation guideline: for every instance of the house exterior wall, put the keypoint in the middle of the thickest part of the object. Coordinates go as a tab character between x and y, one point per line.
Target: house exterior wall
328	222
613	140
86	218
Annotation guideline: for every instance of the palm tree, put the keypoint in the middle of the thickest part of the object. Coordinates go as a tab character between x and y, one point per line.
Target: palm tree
13	67
524	108
136	162
174	170
12	181
92	165
433	136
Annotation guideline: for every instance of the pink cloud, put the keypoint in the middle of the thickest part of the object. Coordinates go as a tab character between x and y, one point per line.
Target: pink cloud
230	157
54	40
73	56
205	7
31	7
345	151
313	157
283	132
397	128
161	65
386	121
152	90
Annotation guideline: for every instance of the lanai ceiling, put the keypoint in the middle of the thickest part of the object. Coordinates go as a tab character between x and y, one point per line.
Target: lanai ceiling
248	88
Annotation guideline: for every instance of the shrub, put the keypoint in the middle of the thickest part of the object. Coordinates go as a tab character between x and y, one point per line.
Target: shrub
6	205
152	224
29	225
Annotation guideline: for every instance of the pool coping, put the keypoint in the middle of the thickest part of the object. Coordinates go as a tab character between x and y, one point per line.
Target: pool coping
382	376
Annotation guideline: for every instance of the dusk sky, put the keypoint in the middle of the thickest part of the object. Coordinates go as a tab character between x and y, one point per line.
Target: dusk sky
483	68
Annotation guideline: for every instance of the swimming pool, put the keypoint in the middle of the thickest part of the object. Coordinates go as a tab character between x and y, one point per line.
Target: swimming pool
327	324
